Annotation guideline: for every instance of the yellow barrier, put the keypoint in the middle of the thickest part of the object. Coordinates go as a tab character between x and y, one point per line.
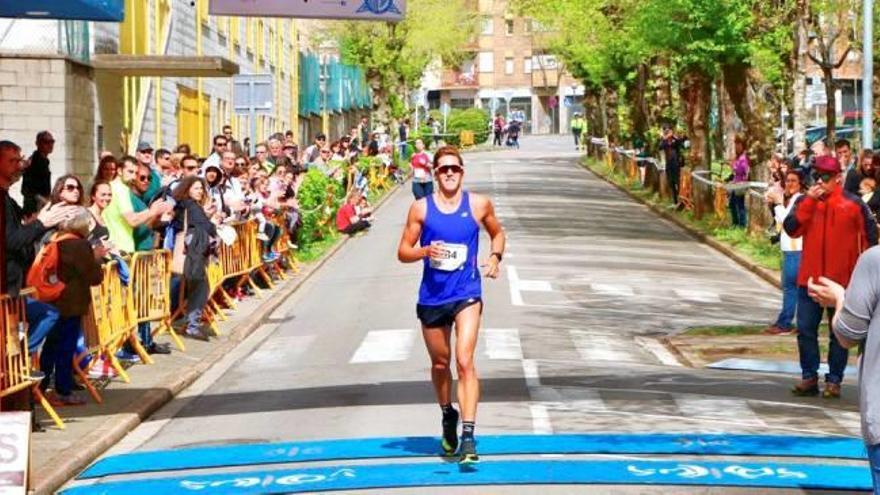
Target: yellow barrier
15	375
111	322
466	138
151	291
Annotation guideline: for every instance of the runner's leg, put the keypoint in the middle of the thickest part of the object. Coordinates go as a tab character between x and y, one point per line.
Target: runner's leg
467	326
437	343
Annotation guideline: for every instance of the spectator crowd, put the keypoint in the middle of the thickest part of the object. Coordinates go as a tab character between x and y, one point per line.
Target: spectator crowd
66	229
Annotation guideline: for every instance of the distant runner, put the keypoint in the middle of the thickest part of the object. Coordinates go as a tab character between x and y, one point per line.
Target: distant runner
446	226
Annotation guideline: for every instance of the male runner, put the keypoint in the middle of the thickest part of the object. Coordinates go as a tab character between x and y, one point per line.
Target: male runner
446	226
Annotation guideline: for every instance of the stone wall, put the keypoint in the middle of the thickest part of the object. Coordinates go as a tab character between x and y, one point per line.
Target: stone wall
49	92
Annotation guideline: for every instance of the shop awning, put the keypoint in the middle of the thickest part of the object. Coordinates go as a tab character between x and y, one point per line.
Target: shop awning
164	65
84	10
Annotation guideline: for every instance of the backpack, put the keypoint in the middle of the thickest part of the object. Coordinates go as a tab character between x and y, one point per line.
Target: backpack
43	275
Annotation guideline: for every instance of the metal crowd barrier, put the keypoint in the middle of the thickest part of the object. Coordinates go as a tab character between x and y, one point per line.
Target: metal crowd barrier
15	360
698	191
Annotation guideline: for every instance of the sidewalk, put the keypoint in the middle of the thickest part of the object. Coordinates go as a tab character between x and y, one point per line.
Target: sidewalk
58	455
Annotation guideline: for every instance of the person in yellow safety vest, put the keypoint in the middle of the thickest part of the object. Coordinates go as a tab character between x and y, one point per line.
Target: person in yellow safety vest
578	124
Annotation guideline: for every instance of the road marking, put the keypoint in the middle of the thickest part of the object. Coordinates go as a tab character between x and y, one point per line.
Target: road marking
602	347
612	289
502	343
848	420
535	285
384	345
530	372
703	296
540	419
513	279
715	408
658	350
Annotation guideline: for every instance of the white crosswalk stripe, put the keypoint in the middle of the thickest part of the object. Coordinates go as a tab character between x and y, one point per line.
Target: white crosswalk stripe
602	347
703	296
613	289
734	411
502	343
384	345
848	420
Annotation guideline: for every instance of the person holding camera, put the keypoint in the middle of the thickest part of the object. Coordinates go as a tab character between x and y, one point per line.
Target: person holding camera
672	145
783	202
836	227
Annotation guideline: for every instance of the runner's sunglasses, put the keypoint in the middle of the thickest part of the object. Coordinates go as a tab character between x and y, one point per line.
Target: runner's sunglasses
823	176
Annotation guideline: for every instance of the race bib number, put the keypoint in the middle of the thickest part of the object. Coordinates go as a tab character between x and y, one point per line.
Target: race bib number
420	173
452	258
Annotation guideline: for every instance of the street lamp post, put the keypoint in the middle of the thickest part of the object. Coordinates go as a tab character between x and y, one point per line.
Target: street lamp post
867	74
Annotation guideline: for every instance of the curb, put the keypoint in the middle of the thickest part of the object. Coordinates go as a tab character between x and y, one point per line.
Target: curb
767	275
99	441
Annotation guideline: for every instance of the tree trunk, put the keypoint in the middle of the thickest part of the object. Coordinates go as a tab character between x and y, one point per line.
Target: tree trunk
696	95
831	106
638	102
799	108
603	113
759	132
591	112
611	115
721	121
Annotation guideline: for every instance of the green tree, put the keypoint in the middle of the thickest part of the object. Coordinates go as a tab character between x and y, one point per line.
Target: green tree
394	56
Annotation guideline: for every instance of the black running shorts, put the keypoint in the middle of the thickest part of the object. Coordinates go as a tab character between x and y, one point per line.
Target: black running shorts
444	315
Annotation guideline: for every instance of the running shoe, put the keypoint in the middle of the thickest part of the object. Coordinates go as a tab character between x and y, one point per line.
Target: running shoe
128	357
450	433
468	452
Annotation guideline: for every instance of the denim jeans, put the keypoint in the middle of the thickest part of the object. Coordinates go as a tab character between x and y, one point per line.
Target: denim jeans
791	262
737	203
175	292
422	189
809	315
673	174
197	297
58	353
874	462
41	318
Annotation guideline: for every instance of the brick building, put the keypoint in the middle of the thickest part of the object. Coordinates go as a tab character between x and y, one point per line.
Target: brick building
509	70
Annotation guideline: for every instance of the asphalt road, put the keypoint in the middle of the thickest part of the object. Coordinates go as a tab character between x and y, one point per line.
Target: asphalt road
589	277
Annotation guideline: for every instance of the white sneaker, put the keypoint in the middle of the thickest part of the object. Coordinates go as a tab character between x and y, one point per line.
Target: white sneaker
263	237
102	369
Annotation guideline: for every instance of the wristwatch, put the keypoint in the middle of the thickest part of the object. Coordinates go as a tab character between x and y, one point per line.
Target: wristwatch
498	255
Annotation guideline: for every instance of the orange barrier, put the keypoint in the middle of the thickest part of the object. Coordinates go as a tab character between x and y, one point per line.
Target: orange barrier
151	291
15	367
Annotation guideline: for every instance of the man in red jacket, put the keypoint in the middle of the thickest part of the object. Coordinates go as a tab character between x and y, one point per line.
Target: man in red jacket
836	227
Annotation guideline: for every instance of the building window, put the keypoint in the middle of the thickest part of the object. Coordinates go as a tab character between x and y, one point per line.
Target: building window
508	27
527	65
508	66
527	26
486	25
487	62
545	61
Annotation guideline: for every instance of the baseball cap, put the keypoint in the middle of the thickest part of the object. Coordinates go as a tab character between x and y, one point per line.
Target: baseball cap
827	164
144	146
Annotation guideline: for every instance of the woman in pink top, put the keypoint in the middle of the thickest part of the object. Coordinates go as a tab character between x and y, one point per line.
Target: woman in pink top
740	167
423	184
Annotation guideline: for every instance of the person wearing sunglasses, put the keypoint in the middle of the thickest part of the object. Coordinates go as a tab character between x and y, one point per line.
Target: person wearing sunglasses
442	231
836	227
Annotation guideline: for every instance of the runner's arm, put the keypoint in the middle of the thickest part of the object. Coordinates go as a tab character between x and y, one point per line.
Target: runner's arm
407	252
496	233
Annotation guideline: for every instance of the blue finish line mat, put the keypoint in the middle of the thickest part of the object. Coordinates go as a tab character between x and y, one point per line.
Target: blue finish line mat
377	448
766	475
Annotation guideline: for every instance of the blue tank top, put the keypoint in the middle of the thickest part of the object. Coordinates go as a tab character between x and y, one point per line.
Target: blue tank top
441	286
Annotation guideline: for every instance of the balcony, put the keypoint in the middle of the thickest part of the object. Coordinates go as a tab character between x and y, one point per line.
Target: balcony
455	79
545	78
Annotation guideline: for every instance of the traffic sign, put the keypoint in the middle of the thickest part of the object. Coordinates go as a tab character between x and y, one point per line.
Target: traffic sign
371	10
815	95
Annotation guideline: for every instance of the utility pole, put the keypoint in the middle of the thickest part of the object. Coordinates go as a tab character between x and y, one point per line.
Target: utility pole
868	74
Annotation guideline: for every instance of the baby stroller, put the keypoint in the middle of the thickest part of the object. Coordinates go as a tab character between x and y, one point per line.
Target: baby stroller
513	130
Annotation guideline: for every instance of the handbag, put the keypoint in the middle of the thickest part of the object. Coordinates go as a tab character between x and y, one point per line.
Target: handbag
178	255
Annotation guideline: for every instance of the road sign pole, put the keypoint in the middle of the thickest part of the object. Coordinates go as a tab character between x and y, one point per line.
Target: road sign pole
253	118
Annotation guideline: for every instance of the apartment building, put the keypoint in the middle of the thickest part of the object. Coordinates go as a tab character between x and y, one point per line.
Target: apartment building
508	70
164	75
